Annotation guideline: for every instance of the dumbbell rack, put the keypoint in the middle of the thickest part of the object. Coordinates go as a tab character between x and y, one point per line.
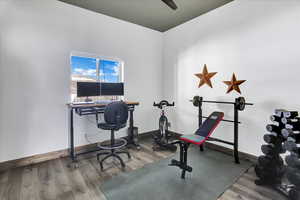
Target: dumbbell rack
283	136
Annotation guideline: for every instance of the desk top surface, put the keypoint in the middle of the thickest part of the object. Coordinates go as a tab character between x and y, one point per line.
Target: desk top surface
87	105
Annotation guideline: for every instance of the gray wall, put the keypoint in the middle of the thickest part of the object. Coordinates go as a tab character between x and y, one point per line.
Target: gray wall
37	37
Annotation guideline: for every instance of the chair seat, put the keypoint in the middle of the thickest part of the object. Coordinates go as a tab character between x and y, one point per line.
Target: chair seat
194	139
106	126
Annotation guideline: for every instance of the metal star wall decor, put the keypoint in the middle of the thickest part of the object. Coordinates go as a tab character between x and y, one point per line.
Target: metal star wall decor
234	84
205	77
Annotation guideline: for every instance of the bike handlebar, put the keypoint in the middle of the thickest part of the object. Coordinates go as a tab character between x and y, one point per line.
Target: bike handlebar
163	103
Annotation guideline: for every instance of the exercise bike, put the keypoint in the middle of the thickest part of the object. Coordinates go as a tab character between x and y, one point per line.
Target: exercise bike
162	137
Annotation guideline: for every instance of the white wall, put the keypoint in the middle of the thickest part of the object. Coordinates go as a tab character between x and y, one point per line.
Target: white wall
37	37
259	41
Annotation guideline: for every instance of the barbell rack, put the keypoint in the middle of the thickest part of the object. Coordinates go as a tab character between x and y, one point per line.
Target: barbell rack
239	105
224	120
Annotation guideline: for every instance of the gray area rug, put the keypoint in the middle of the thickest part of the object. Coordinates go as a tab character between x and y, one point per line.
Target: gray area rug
213	172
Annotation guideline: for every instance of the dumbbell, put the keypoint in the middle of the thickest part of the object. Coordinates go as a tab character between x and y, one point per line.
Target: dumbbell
270	174
290	133
290	114
293	126
271	149
275	118
286	132
293	175
294	137
290	145
267	161
293	161
279	112
288	121
273	128
271	138
263	173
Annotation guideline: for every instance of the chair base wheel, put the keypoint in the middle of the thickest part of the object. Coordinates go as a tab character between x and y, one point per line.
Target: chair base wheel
114	154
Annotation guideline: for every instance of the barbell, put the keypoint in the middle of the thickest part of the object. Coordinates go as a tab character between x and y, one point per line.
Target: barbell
240	102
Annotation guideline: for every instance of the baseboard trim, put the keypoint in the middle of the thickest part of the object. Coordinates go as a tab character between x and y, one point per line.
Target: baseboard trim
35	159
39	158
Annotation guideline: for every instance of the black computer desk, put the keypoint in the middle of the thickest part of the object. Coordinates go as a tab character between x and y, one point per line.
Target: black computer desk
93	109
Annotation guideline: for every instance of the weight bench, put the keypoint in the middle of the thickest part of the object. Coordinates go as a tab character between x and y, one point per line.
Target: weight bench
201	135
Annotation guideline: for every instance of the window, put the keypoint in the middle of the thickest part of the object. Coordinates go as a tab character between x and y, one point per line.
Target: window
91	68
109	71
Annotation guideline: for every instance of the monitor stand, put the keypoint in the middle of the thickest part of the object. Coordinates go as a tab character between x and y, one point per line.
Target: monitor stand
87	99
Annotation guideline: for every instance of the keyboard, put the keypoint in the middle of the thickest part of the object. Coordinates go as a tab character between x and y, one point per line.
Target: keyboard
83	103
105	102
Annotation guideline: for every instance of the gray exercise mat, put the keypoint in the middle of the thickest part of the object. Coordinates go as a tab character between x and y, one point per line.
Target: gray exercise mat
213	172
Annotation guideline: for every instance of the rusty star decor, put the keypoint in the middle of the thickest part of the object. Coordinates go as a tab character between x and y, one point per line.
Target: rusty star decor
205	77
234	84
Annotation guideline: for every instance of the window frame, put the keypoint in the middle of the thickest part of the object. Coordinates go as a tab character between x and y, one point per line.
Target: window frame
98	59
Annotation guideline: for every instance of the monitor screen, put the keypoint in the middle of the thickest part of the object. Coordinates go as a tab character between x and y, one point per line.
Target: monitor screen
112	89
88	89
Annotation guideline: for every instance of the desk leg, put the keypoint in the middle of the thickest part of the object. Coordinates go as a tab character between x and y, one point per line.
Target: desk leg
131	126
71	132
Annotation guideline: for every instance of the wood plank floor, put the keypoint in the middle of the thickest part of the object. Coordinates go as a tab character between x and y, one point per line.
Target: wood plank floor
245	189
56	180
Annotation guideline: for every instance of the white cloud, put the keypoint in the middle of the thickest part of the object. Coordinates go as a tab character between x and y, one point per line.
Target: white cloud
85	72
101	72
116	71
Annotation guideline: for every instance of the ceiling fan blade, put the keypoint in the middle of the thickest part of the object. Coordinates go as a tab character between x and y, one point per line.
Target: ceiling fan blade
171	4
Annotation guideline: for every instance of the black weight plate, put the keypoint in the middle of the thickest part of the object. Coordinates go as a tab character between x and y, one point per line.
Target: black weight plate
240	103
196	101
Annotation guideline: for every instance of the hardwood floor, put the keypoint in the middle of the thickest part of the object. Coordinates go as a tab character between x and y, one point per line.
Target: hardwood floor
56	180
245	189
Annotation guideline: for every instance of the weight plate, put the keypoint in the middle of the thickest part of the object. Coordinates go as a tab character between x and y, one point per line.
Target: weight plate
196	101
240	103
293	176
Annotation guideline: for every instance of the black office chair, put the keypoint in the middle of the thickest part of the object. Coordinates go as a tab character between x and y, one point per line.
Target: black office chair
115	117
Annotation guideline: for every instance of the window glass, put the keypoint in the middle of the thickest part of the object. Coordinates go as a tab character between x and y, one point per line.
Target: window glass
83	69
93	69
109	71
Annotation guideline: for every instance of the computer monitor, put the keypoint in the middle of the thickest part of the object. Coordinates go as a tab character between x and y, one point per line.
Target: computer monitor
112	89
88	89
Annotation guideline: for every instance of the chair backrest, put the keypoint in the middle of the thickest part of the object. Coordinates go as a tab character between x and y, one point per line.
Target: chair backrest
116	113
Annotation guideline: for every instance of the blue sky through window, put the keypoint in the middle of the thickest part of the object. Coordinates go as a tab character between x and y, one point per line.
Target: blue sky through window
87	67
109	71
